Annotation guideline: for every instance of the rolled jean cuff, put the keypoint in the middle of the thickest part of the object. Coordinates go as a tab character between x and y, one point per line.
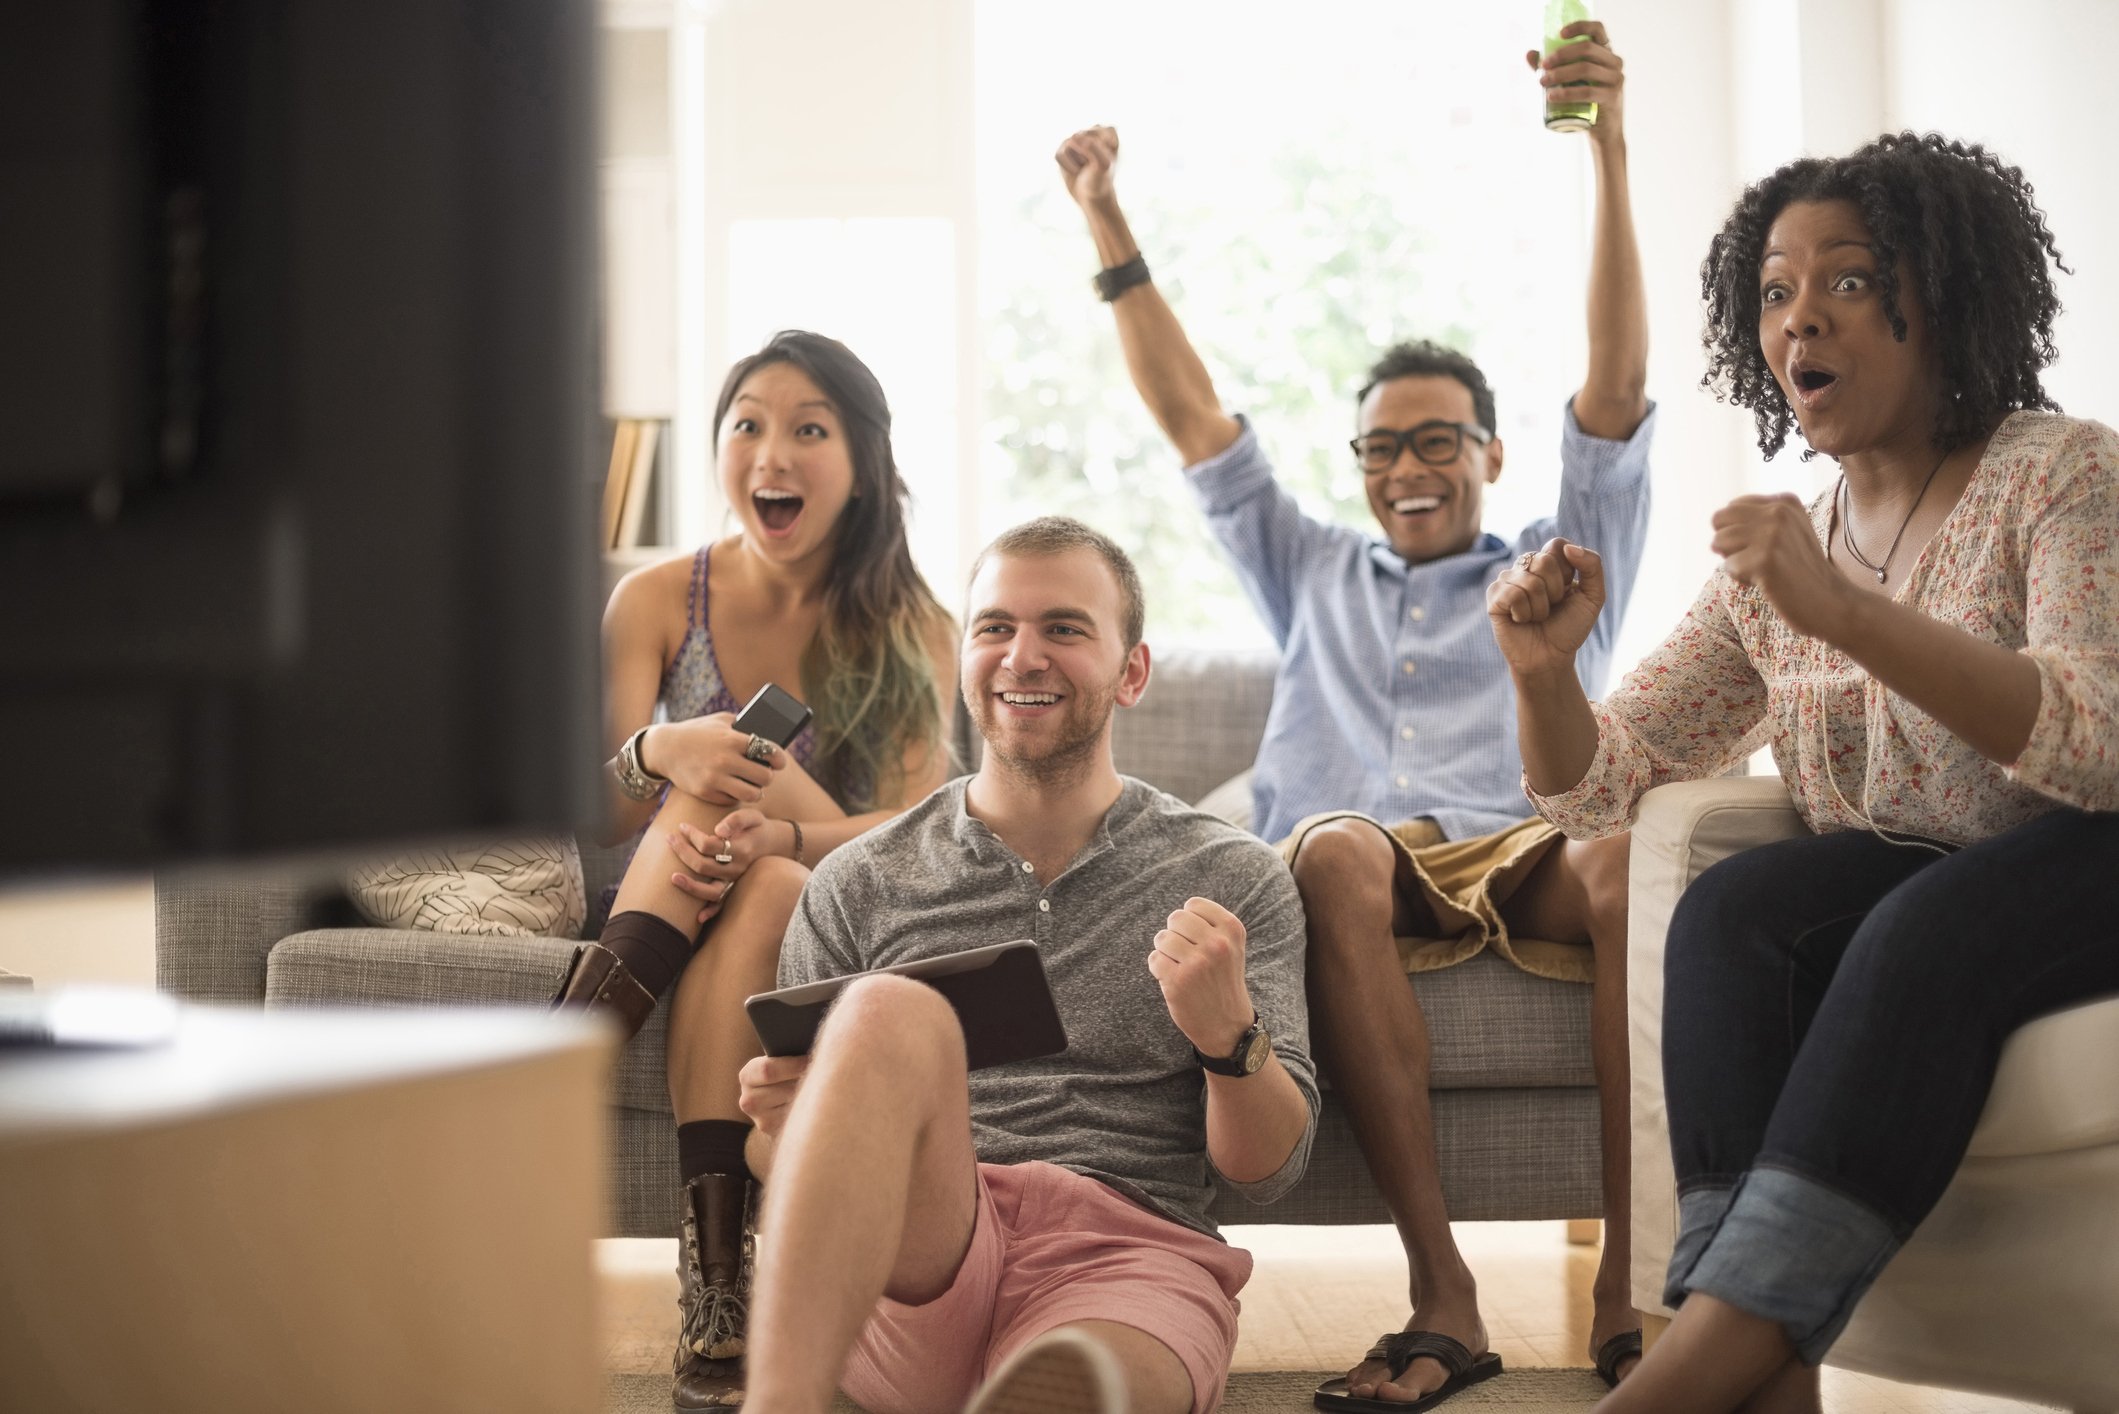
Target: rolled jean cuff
1791	1250
1700	1213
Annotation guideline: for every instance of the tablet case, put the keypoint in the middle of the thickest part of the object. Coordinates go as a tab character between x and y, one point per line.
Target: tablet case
999	993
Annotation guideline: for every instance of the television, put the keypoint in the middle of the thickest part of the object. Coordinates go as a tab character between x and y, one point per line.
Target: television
297	410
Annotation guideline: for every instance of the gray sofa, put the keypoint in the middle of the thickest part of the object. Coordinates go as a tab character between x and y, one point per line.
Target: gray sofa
1515	1105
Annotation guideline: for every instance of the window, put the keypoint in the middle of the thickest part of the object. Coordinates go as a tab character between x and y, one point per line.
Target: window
1394	180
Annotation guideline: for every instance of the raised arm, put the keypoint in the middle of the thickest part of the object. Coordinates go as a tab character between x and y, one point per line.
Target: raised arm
1166	369
1614	397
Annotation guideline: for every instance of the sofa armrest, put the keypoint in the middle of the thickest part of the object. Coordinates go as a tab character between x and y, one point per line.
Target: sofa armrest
1680	830
215	927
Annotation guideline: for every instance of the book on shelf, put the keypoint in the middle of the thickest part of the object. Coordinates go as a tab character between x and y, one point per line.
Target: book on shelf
628	481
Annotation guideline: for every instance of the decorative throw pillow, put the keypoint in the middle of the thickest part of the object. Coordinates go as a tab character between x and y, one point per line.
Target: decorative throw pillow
528	886
1231	800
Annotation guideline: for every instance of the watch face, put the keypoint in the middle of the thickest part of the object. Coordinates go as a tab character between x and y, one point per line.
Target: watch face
1254	1055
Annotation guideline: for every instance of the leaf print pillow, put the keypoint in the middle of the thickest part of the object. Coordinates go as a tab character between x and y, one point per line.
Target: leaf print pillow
529	886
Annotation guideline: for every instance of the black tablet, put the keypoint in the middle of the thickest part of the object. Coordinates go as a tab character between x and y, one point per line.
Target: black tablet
999	993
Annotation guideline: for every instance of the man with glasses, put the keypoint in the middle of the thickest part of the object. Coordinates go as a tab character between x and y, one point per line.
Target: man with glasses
1393	704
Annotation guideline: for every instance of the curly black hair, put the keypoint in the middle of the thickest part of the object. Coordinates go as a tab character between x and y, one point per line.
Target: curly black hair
1423	358
1973	241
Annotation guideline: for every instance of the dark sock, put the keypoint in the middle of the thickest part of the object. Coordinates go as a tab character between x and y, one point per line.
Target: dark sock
712	1146
652	950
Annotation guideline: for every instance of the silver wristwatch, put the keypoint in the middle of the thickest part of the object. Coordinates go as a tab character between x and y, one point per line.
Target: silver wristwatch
634	779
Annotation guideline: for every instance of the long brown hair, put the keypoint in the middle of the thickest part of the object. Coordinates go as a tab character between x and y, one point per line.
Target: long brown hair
868	671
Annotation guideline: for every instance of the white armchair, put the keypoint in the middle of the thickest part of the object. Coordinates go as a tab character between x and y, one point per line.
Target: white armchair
2011	1287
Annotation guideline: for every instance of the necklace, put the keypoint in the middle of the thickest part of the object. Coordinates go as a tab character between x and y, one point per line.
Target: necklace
1846	525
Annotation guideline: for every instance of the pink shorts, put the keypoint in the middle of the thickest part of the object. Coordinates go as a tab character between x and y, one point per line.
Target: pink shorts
1049	1248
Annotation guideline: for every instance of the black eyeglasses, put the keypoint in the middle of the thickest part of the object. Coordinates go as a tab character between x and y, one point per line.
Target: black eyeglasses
1435	443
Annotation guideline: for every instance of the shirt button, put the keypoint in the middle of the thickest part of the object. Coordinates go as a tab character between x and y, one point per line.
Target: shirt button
1404	781
1405	733
1044	905
1027	868
1416	613
1408	667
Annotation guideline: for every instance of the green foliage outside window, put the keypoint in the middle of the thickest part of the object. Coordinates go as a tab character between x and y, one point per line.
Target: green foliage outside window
1290	293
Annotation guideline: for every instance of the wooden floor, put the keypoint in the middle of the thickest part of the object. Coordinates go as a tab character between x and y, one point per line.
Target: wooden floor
1318	1298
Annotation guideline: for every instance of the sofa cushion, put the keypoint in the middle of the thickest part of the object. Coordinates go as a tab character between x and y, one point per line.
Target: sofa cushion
1230	801
2053	1090
1493	1026
1199	723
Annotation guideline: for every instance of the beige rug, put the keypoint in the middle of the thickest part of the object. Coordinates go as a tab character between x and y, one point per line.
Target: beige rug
1524	1391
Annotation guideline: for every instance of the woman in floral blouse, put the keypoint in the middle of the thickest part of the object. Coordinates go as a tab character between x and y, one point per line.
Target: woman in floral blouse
1931	650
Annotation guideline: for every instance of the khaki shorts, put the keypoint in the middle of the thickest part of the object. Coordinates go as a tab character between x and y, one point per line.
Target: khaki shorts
1463	884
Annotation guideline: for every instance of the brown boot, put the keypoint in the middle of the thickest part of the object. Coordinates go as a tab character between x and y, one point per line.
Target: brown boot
715	1257
600	984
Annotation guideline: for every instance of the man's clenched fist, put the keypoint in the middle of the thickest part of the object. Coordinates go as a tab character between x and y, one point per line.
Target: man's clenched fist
1198	961
1085	163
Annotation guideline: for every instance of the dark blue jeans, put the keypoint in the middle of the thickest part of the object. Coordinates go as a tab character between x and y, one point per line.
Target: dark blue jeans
1834	1007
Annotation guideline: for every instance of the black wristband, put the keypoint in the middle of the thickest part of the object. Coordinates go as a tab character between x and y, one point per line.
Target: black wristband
1112	283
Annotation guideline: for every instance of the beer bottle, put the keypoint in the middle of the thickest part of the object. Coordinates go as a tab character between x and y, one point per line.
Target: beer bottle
1566	117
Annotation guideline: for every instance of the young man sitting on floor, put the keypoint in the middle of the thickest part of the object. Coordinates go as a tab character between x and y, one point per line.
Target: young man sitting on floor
1033	1236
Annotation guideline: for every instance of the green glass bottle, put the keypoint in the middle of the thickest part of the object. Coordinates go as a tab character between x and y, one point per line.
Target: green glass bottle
1566	117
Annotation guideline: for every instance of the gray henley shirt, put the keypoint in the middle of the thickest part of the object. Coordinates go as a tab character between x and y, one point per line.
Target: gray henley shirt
1125	1103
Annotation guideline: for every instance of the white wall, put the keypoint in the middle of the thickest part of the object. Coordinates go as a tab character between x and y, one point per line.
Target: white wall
79	932
639	226
2027	80
841	109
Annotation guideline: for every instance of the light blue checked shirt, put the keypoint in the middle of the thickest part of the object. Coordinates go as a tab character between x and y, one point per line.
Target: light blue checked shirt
1392	697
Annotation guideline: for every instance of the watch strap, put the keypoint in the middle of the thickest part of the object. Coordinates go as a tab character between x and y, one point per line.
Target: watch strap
1233	1062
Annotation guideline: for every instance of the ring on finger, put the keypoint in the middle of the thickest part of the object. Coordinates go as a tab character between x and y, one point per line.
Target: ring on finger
1523	560
758	749
725	857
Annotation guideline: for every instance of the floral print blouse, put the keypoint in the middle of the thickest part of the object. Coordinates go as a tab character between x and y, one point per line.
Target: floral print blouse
2023	560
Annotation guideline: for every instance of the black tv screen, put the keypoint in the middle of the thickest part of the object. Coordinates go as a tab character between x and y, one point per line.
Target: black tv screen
297	382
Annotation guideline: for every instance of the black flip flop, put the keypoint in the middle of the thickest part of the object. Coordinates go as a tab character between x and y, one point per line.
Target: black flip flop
1626	1345
1400	1349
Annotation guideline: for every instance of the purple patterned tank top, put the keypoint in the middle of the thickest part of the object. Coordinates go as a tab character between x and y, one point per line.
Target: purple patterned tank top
692	686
